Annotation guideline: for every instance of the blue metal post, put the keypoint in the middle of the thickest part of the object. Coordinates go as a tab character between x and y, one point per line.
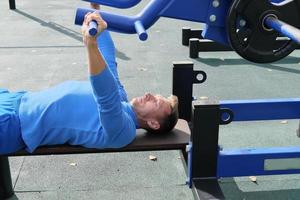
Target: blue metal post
259	161
263	109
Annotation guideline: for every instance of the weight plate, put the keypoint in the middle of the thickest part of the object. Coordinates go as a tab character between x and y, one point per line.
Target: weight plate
251	39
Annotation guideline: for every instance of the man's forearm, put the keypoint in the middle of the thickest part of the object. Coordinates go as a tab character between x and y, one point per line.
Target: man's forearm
96	63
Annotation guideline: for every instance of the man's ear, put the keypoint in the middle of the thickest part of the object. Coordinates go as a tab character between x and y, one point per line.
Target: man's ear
153	124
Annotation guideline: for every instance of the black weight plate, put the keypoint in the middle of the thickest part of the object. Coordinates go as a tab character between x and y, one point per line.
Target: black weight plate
252	41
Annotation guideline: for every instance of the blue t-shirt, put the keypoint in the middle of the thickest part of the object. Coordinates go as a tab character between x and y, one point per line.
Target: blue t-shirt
86	113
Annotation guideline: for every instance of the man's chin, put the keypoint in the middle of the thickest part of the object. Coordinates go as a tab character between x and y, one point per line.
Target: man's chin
133	101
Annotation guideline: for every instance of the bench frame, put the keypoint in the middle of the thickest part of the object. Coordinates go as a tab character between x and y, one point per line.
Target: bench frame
12	4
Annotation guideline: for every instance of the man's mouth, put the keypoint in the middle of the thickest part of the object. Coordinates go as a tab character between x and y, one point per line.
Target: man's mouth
140	99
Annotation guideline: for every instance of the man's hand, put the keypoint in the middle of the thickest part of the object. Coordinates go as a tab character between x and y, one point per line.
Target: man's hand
96	63
89	40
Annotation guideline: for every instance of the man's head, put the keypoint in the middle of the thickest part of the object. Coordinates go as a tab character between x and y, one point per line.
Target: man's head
156	113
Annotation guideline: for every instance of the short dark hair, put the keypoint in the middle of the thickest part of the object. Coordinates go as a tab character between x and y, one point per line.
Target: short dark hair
169	121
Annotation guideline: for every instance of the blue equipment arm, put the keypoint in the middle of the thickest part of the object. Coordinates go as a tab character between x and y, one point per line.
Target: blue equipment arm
116	3
134	24
194	10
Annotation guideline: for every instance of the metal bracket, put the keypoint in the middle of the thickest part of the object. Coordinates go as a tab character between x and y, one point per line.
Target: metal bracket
184	77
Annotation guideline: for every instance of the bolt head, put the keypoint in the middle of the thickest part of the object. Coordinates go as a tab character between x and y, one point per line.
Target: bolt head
215	3
212	18
242	23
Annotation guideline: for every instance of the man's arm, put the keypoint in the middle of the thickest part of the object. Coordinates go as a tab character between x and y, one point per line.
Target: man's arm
96	63
118	128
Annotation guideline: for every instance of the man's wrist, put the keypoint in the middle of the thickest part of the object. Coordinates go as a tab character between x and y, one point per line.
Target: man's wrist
91	43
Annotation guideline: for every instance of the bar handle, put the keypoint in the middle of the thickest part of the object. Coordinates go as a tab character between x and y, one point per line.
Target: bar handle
79	18
281	27
140	30
93	28
116	3
115	21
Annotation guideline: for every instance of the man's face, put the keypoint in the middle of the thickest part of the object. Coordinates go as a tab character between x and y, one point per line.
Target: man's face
152	106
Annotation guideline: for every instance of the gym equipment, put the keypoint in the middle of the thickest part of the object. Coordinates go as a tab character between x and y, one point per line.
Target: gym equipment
93	28
116	3
196	43
175	140
249	27
12	4
298	130
113	3
208	161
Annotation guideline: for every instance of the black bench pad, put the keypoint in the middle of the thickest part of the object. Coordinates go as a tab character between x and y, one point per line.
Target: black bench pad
177	139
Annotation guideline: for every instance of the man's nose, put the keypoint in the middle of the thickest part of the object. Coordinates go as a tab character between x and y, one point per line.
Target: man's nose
148	94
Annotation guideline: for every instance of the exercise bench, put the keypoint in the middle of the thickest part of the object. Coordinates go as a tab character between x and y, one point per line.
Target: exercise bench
177	139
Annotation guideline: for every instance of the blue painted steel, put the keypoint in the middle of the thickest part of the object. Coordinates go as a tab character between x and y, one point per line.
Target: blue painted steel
190	176
283	28
250	162
215	33
211	12
216	16
80	13
140	30
277	1
93	28
125	24
116	3
193	10
263	109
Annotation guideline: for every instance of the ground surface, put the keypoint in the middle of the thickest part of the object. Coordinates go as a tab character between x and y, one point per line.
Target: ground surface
40	47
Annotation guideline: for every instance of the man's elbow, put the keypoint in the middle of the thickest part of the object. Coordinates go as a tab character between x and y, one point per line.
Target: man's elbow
120	140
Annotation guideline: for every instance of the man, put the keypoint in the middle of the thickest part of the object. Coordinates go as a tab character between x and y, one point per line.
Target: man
94	113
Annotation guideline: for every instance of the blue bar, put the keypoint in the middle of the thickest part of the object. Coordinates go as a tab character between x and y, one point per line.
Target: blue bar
251	161
285	29
125	24
116	3
93	28
263	109
194	10
140	30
